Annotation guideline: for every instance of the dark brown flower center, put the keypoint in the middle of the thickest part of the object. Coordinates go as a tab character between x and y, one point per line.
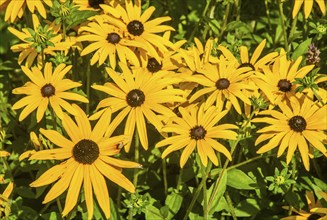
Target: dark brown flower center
48	90
297	123
198	132
135	98
95	3
113	38
86	151
135	28
222	83
153	65
247	65
284	85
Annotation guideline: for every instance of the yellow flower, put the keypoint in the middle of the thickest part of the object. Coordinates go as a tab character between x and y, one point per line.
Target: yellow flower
28	52
137	95
4	201
222	82
87	160
277	82
294	127
16	8
316	210
107	41
308	7
196	128
46	89
138	27
255	63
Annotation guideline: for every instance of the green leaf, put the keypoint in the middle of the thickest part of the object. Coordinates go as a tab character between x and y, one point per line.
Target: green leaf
221	188
173	202
239	180
301	49
152	212
51	216
113	210
247	208
79	17
25	192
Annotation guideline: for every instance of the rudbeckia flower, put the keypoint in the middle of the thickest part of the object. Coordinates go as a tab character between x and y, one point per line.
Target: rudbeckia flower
136	95
298	126
308	4
277	82
137	26
16	8
107	41
196	128
222	82
316	210
87	160
44	89
254	62
42	35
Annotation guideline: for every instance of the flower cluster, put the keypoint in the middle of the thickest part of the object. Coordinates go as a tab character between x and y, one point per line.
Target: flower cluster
200	99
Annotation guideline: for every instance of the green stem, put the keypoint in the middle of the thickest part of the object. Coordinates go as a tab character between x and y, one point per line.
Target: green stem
164	172
135	174
225	21
249	161
205	199
282	19
292	185
292	31
200	21
317	96
230	206
268	14
179	180
54	119
197	192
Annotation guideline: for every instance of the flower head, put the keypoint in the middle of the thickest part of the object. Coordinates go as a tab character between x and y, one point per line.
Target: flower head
137	26
196	128
294	127
47	88
87	160
136	95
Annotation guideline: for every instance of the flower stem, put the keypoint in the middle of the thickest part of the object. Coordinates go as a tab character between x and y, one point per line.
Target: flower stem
197	192
225	21
135	174
164	172
88	85
230	206
204	188
282	19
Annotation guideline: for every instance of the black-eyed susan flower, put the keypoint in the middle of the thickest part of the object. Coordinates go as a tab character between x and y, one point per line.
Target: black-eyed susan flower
47	89
316	210
245	61
87	160
308	4
4	201
43	39
136	95
196	128
138	26
298	126
16	8
107	41
277	82
222	82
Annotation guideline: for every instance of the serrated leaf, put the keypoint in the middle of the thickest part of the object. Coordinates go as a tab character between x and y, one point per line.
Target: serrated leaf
301	49
239	180
173	202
